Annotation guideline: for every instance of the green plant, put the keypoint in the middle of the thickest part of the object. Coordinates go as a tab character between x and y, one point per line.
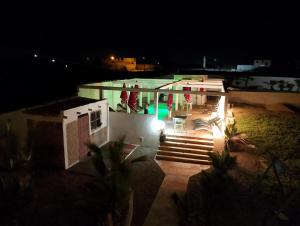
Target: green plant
15	173
281	85
272	84
222	161
297	81
246	80
289	86
232	137
114	172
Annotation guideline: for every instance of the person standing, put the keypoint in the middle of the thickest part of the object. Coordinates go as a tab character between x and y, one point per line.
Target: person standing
146	111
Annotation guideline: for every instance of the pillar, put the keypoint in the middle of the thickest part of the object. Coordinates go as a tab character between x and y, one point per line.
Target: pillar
141	98
148	98
100	94
225	109
156	104
176	102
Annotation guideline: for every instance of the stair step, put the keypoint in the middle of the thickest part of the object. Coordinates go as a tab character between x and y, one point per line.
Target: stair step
185	150
181	159
183	154
187	145
190	137
188	140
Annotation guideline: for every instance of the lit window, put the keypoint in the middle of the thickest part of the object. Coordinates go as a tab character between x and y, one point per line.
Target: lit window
95	120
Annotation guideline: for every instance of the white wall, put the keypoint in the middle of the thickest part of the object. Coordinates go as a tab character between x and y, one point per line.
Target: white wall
71	115
260	82
135	127
89	93
264	98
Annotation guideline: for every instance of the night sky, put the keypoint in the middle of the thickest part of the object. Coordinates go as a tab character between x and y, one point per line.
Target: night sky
182	31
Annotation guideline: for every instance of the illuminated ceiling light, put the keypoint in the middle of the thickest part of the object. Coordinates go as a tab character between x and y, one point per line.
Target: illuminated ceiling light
35	56
53	60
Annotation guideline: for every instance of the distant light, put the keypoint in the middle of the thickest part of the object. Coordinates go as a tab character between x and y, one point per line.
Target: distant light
143	58
112	57
53	60
66	66
157	62
35	56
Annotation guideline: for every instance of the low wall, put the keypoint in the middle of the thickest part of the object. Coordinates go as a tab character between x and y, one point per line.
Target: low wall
18	124
264	98
137	128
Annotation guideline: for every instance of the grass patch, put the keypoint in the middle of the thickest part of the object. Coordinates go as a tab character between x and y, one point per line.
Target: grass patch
278	133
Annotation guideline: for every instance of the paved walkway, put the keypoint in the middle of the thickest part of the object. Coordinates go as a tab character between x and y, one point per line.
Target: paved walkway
164	211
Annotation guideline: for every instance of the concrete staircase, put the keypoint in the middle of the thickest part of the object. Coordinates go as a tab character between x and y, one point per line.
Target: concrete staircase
185	149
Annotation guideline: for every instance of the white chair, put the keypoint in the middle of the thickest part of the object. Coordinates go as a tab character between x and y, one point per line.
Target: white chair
178	123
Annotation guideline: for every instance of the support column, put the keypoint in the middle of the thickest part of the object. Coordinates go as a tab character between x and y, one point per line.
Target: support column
156	104
225	109
100	94
141	98
176	102
148	97
177	99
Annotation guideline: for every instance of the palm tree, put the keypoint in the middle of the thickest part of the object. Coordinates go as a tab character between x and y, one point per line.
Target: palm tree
233	137
222	161
15	174
115	174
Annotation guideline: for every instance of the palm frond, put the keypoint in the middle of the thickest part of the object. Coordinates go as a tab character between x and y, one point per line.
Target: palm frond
98	159
222	161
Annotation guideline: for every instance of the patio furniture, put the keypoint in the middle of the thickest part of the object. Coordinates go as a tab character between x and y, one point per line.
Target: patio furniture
200	124
187	105
121	108
207	128
179	122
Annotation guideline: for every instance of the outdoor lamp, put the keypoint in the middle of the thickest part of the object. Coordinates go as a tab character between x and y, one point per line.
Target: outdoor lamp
158	125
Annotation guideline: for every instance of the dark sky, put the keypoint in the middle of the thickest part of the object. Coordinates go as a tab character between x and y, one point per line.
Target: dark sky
184	30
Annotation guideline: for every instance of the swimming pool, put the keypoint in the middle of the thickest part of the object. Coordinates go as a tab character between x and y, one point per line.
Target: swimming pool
162	110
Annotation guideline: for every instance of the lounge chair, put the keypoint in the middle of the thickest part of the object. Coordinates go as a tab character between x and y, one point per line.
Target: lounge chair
200	124
206	122
121	108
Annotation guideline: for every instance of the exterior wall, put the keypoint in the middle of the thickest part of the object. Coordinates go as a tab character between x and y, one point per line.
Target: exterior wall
137	128
260	82
48	143
89	93
264	98
193	77
245	67
72	142
120	63
70	130
262	63
18	124
100	137
145	67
